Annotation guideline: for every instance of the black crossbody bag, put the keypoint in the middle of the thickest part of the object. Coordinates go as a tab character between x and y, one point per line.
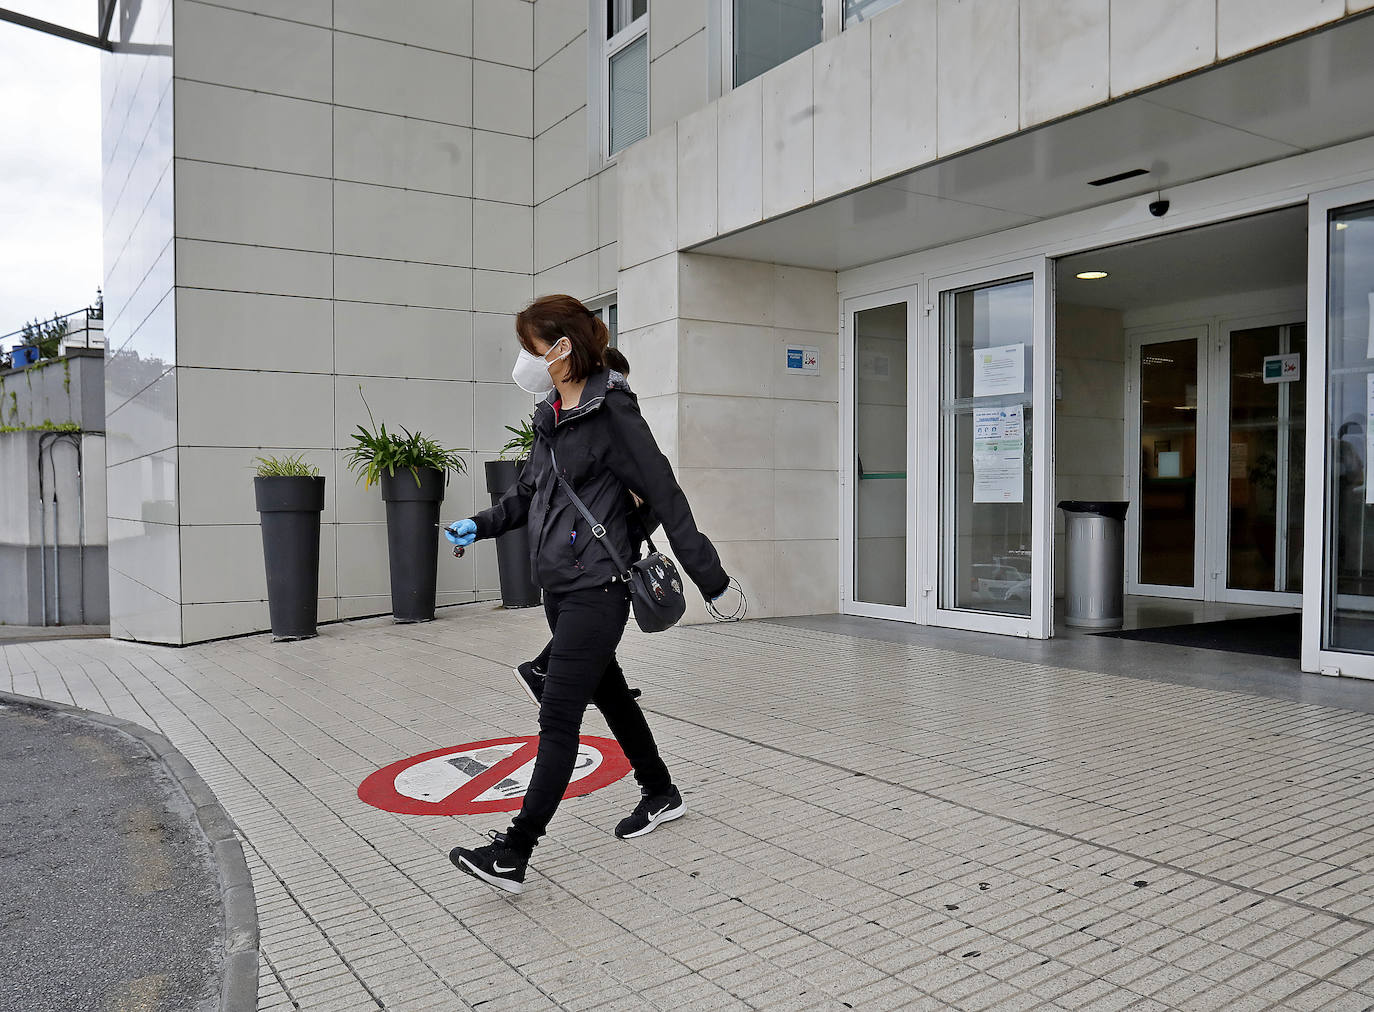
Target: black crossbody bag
655	585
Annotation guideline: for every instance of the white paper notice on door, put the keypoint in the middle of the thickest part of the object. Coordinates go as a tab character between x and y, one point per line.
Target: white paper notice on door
999	454
1000	370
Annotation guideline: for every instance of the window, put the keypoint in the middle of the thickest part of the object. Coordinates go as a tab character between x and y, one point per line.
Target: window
856	12
608	315
766	33
625	74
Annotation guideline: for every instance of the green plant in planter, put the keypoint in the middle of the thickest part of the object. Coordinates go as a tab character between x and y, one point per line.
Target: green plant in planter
520	444
294	466
376	451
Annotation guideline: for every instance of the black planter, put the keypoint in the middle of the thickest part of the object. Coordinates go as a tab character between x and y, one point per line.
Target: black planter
289	511
412	541
518	586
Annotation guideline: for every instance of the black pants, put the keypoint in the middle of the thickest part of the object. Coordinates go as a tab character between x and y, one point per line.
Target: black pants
587	626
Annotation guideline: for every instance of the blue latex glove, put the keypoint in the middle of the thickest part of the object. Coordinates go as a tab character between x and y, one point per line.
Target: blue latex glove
461	532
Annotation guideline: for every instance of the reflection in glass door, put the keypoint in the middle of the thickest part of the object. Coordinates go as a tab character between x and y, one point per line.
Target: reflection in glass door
1167	489
988	339
878	374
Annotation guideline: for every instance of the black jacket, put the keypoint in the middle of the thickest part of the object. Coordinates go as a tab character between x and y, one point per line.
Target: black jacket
604	449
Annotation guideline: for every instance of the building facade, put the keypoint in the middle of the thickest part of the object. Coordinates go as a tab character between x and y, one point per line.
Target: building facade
893	277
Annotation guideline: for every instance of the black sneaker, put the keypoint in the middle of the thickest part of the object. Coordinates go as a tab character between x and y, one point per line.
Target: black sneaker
531	679
495	864
650	813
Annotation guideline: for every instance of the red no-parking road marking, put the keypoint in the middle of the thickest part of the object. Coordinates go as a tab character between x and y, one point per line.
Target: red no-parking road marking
484	776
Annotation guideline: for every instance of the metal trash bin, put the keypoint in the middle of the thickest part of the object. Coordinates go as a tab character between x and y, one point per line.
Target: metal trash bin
1095	533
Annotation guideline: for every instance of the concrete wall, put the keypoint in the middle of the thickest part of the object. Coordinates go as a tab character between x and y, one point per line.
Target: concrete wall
54	540
67	390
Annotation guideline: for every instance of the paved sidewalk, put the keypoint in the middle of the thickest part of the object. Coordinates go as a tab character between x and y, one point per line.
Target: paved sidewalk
873	825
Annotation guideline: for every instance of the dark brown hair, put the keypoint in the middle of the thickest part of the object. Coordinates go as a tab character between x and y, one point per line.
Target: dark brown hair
551	317
615	360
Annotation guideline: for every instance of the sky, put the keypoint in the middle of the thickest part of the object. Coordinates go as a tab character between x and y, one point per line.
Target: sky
50	218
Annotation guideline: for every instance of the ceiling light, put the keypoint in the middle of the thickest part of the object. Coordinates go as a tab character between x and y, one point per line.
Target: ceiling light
1341	226
1090	275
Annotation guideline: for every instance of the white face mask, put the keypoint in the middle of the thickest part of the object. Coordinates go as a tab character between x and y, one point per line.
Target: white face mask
531	372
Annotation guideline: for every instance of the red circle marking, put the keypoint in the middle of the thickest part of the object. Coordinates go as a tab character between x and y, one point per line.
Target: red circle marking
379	789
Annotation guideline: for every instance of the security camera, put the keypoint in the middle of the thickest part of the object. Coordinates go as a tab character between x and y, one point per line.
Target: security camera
1159	208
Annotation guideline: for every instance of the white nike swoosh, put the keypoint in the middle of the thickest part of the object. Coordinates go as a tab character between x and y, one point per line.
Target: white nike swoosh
655	815
502	871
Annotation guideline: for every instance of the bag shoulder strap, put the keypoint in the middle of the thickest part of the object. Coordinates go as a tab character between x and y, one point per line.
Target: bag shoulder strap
598	529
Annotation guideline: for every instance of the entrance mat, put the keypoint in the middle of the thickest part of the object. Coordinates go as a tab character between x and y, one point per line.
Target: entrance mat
1271	635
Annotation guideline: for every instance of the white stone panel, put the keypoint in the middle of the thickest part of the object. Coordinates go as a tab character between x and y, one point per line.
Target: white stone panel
502	236
806	435
726	431
579	277
843	131
497	405
229	330
740	156
648	293
648	198
653	354
502	167
805	299
251	51
608	205
732	291
1064	57
228	204
560	86
725	359
228	564
679	82
1247	24
806	578
556	24
372	339
495	292
405	80
903	65
732	504
378	221
787	135
268	409
253	269
807	505
373	147
977	92
493	346
565	226
674	22
1152	42
697	156
364	279
503	32
503	98
434	24
560	156
216	124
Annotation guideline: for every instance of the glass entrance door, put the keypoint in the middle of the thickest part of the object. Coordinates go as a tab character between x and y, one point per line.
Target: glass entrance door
1258	539
879	557
993	489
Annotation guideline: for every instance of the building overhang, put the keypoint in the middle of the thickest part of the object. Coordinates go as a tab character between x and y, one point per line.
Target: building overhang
1302	95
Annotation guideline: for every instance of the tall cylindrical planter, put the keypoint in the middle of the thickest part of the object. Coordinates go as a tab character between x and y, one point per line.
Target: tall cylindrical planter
412	541
518	586
289	511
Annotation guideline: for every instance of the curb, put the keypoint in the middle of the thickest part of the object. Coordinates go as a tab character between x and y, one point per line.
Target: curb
239	988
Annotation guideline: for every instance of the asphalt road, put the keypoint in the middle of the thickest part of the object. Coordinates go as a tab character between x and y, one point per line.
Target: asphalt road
108	899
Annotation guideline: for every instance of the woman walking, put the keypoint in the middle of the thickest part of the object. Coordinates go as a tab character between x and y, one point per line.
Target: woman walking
589	431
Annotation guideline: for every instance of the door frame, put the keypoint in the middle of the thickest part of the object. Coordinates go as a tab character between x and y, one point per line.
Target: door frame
910	295
1136	340
1316	655
1217	540
936	496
